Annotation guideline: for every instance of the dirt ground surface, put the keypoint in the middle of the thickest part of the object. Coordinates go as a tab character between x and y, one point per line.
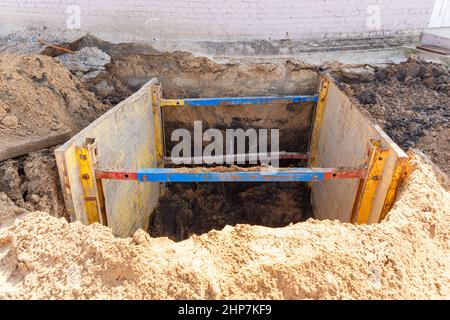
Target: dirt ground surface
411	101
184	75
32	182
42	256
406	256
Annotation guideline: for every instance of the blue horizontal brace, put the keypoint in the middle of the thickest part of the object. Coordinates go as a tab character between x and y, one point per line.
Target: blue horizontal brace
203	102
191	175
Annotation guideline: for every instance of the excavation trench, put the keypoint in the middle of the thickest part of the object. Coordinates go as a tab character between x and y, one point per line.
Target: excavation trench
196	208
125	137
189	208
375	257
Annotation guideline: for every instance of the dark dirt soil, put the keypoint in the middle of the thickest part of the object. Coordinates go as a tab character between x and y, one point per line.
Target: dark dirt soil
32	182
411	102
189	209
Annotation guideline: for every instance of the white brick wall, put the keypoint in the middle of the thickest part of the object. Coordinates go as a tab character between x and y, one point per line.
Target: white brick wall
221	19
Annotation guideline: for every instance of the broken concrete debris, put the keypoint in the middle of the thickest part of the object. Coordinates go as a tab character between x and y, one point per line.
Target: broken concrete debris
86	63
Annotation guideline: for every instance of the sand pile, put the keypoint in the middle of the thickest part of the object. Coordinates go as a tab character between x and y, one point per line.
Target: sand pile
41	104
406	256
40	98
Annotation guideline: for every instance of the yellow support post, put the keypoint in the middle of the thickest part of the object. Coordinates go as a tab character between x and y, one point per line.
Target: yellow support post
101	202
91	145
318	116
158	124
397	179
172	102
368	186
92	201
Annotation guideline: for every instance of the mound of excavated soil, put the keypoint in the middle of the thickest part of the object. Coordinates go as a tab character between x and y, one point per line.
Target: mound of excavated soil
184	75
411	101
406	256
39	98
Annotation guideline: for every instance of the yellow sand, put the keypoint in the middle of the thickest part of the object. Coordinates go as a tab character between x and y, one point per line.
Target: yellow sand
406	256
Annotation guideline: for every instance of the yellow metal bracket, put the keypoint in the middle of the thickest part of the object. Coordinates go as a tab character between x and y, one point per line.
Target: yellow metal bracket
318	116
172	102
158	123
400	173
368	186
94	201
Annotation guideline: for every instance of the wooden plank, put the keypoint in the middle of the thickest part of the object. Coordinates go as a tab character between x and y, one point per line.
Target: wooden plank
12	147
273	174
435	49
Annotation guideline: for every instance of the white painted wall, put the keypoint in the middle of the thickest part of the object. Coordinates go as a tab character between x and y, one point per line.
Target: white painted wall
222	19
440	16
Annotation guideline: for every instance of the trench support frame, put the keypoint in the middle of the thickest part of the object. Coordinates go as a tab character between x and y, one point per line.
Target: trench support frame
232	101
94	199
265	175
367	187
91	174
158	124
317	121
401	172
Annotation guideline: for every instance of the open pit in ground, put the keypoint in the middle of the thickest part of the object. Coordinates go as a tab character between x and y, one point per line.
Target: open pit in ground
404	257
392	259
126	138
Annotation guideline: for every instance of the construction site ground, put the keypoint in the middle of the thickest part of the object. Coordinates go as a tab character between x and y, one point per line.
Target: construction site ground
220	248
